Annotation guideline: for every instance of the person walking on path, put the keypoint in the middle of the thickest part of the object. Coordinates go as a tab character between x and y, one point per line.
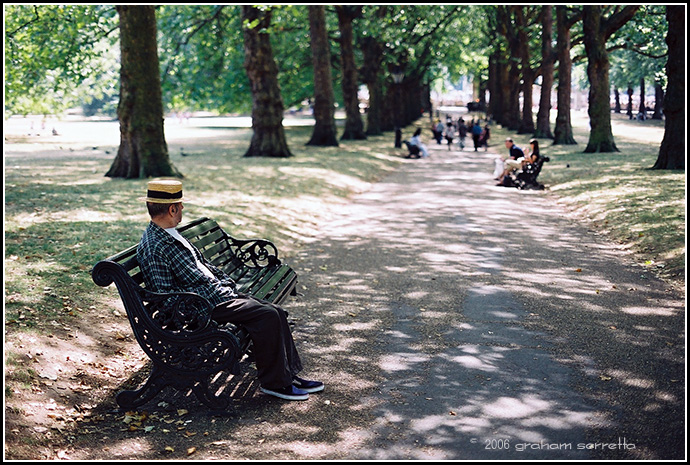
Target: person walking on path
450	134
462	133
476	134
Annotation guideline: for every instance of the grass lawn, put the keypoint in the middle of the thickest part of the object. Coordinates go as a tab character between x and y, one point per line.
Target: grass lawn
62	215
619	195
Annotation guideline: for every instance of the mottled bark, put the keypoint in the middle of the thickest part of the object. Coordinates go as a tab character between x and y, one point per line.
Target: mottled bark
268	139
371	75
143	151
526	125
325	131
596	31
544	114
563	130
354	126
673	147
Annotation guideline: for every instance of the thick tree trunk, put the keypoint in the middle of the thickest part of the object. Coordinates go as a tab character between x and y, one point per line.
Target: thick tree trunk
511	89
325	132
563	130
494	107
503	91
143	152
600	135
544	114
617	101
354	126
268	139
596	31
658	100
526	125
673	147
371	75
643	105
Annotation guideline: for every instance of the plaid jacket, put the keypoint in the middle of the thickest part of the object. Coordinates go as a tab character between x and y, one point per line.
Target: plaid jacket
168	266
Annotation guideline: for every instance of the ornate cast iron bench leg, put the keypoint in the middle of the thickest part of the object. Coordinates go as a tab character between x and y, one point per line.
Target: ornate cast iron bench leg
154	384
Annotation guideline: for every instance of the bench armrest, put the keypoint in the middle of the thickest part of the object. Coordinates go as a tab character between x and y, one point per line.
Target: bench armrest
183	312
179	313
254	253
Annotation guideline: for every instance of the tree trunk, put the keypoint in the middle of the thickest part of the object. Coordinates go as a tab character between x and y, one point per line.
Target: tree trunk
354	127
544	114
325	132
268	139
503	94
494	107
596	31
526	125
143	151
617	101
629	108
563	130
673	147
600	135
371	75
643	106
658	100
511	88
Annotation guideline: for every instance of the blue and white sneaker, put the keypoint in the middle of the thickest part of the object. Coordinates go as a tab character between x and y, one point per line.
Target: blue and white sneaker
288	393
306	385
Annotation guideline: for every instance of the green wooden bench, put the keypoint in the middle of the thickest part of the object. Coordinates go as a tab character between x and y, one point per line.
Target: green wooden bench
186	348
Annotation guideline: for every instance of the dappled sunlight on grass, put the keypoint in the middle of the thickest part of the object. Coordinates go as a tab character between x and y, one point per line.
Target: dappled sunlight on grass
618	193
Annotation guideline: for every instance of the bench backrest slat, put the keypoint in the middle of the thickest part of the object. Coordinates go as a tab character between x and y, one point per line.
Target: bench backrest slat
217	247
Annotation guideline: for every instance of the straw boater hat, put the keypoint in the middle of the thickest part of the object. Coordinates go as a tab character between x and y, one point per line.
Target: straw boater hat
164	191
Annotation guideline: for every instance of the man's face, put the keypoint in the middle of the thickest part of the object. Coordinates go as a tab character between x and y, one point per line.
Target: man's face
508	144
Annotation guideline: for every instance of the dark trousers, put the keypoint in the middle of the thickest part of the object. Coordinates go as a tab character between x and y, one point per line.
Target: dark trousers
277	360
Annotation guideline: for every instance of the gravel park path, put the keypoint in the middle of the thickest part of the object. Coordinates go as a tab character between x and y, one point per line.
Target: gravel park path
479	322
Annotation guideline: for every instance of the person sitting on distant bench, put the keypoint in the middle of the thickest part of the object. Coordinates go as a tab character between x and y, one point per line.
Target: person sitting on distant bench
511	164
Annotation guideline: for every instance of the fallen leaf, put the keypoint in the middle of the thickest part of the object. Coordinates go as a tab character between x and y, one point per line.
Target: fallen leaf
169	449
605	378
191	450
578	270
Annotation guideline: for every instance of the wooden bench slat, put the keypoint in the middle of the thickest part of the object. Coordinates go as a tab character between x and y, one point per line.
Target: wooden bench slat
276	284
198	227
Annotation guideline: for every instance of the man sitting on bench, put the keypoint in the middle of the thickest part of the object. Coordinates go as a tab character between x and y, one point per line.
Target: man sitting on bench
169	263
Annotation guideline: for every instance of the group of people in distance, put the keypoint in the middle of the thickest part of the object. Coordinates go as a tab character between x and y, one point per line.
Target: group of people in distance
452	130
516	159
459	129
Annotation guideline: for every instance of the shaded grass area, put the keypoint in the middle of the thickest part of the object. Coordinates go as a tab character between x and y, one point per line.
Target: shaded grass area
618	193
62	215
